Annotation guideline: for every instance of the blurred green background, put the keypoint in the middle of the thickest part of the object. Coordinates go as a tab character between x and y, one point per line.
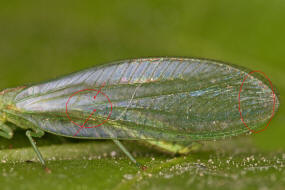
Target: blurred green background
40	40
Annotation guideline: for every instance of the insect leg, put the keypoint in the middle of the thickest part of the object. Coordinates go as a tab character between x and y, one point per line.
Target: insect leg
127	153
5	131
36	133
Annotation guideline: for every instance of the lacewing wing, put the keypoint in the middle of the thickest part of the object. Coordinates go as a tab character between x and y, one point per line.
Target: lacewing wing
174	99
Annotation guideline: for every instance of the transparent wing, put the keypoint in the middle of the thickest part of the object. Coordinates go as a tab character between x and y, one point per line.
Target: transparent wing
163	98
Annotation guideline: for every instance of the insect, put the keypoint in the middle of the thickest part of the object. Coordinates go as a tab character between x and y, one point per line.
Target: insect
169	103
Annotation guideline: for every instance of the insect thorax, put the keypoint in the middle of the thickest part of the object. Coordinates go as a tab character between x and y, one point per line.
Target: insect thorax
2	115
6	100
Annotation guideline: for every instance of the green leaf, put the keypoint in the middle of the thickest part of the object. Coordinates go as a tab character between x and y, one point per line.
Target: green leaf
232	164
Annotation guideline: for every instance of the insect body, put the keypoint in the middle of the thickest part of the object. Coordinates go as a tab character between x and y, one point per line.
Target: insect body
166	102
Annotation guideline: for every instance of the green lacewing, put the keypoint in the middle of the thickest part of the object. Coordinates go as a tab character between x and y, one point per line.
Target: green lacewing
156	100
